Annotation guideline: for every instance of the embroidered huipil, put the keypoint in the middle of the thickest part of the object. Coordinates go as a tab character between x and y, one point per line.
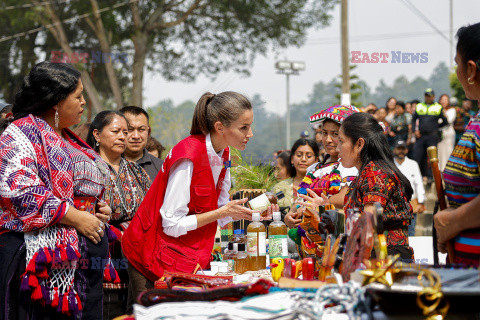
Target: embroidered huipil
374	185
124	193
40	174
462	185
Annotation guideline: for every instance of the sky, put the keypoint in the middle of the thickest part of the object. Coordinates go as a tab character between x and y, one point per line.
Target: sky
379	26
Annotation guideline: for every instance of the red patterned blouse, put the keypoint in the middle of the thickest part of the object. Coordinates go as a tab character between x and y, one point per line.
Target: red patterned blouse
374	185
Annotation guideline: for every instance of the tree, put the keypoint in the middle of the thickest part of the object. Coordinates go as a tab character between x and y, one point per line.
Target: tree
180	39
439	79
456	86
171	124
355	88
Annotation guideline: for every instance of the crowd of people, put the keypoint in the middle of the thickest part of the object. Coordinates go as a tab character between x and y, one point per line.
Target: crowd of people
91	218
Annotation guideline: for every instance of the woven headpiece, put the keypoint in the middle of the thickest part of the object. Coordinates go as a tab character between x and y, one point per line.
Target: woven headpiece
335	113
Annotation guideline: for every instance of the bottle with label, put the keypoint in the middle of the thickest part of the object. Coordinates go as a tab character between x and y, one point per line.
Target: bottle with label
230	255
238	236
241	260
263	201
256	246
277	238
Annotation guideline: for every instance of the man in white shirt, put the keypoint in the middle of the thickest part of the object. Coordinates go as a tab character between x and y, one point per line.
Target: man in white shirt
411	170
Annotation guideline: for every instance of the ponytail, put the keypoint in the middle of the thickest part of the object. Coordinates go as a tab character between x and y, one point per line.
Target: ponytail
200	124
225	107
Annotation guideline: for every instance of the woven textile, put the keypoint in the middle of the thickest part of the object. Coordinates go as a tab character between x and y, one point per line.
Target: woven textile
375	185
124	192
336	113
37	178
462	185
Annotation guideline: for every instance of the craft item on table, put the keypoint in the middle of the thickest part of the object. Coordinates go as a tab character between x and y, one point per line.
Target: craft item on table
217	251
379	239
181	279
230	292
308	247
294	235
277	266
292	268
219	267
430	298
226	233
350	219
340	251
338	220
332	256
308	268
286	283
434	291
276	305
381	271
359	245
332	299
310	223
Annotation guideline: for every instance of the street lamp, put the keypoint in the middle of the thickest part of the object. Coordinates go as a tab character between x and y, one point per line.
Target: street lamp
287	68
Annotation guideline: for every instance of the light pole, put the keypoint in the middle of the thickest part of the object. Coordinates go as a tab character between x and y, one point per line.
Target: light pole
287	68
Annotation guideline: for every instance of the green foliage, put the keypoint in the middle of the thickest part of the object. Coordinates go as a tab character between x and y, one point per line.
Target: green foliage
355	89
180	39
458	91
171	124
246	174
456	86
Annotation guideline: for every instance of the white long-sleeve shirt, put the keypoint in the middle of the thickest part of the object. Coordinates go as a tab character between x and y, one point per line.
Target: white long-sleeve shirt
174	210
411	170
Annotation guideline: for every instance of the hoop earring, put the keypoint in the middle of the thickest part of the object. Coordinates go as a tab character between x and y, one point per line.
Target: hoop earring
97	144
57	119
470	81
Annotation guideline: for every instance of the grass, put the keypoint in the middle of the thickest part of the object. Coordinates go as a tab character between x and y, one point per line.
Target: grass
248	175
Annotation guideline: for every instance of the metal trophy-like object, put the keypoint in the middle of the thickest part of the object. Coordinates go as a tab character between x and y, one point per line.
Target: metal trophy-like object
442	203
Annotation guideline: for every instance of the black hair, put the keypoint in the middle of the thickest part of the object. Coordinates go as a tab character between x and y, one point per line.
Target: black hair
468	44
386	102
102	119
401	104
446	95
45	86
376	148
285	156
154	144
136	111
301	142
415	101
225	107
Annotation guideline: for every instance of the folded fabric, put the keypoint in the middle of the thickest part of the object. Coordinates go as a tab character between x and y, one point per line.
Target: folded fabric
230	292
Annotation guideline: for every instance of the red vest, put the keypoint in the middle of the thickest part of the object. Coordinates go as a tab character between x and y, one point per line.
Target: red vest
145	244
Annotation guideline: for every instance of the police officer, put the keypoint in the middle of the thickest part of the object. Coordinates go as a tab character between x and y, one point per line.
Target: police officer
425	125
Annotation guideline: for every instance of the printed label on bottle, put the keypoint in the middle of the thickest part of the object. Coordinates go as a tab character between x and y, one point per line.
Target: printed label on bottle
231	265
260	203
278	246
256	247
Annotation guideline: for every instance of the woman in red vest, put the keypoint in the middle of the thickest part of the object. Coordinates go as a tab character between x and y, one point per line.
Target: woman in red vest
174	227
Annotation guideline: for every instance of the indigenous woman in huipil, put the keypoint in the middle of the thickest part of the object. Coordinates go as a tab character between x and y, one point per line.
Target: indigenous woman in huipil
52	226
